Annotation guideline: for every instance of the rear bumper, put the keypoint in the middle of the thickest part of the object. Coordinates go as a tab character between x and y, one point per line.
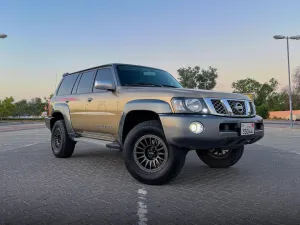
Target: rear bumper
219	132
48	122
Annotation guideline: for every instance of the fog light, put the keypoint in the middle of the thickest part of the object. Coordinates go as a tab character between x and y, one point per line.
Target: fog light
196	127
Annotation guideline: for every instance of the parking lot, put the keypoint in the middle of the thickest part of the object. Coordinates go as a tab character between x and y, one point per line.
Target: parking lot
94	187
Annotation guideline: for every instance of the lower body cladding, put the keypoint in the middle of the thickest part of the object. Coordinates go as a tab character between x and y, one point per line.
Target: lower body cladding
204	132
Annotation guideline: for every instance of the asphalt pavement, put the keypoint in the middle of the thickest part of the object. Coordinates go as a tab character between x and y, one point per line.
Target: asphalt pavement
94	187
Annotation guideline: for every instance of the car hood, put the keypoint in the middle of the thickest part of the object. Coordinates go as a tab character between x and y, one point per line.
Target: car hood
184	92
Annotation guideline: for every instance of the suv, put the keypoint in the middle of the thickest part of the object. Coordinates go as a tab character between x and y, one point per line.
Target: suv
148	115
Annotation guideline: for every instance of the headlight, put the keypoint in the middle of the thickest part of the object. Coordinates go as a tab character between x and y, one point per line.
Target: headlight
193	104
189	105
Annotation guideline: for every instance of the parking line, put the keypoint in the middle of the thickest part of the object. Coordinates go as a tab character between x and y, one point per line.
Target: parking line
142	207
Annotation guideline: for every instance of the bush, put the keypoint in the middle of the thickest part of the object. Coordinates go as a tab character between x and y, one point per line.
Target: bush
263	111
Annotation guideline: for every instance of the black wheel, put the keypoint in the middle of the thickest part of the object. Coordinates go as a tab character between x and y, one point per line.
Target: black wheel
218	158
148	158
61	144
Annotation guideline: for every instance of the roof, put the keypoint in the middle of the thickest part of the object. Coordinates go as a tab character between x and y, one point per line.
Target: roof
105	65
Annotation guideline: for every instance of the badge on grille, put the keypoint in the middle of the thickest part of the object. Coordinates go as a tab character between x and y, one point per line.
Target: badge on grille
238	106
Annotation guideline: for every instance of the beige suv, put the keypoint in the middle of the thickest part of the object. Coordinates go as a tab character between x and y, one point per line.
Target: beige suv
146	113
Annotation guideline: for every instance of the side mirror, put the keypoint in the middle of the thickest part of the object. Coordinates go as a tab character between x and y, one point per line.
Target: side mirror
105	85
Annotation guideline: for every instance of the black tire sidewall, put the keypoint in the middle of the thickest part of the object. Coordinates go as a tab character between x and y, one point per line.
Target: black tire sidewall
175	156
67	146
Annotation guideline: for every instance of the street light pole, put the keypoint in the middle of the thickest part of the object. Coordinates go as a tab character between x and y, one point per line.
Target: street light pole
289	73
278	37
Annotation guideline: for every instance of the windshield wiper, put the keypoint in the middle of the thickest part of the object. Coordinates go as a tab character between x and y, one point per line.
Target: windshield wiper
143	84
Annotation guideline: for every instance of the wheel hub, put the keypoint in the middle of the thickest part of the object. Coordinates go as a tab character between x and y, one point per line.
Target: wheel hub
57	138
150	153
219	153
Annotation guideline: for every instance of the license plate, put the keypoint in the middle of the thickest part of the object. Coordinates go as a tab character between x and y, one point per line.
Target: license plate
247	128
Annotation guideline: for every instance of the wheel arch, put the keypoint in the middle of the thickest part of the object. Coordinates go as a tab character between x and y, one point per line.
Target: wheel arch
138	111
62	111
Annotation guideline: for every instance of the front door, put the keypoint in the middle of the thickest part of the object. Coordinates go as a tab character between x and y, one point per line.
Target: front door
102	108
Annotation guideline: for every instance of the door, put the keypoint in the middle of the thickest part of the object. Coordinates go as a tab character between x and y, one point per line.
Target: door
102	107
80	93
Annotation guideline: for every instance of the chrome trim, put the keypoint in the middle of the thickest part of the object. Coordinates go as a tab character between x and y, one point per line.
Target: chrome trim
228	108
248	109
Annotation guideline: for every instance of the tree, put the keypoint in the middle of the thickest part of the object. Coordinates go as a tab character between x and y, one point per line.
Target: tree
197	78
6	107
207	78
262	91
36	106
248	85
296	79
21	108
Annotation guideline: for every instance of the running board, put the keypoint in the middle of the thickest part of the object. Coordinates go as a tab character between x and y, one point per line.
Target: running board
112	145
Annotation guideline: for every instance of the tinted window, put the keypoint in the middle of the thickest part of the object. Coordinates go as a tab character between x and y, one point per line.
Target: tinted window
67	85
76	84
85	83
103	75
140	76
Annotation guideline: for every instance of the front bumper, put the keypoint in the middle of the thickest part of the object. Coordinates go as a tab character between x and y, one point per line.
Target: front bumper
219	132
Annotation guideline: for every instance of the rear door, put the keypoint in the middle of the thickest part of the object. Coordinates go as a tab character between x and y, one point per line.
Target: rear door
81	91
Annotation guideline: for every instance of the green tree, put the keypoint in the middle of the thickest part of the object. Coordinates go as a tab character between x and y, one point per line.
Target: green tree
262	91
197	78
21	108
6	107
248	85
36	106
296	79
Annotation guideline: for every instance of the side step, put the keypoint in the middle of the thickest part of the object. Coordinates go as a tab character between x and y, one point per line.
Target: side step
114	145
111	145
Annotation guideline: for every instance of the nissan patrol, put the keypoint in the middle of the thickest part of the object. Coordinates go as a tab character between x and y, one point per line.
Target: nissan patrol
145	113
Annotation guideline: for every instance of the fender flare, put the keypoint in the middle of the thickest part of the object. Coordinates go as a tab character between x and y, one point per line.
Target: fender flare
63	108
153	105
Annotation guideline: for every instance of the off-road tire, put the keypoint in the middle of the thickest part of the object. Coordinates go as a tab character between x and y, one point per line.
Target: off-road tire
172	166
232	158
66	147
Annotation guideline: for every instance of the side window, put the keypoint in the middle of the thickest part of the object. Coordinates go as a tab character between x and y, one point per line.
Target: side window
67	84
76	84
104	74
85	83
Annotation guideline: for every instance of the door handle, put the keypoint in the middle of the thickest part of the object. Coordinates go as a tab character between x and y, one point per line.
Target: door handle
90	99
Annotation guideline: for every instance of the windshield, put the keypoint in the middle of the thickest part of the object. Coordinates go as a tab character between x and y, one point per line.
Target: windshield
144	76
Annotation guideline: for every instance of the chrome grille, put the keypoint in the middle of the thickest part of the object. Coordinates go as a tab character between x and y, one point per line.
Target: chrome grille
230	107
219	107
237	107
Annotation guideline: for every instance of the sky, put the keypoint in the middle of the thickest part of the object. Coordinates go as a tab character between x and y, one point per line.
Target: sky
49	38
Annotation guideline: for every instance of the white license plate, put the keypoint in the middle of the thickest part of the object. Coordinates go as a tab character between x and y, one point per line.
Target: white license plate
247	128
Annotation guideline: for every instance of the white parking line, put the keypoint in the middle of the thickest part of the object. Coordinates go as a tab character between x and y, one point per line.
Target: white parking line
142	207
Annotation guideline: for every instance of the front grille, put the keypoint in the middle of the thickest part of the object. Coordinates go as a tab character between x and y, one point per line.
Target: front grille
230	107
219	107
237	107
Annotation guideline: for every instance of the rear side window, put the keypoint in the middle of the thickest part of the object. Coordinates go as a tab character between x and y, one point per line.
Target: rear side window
104	74
67	85
86	81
